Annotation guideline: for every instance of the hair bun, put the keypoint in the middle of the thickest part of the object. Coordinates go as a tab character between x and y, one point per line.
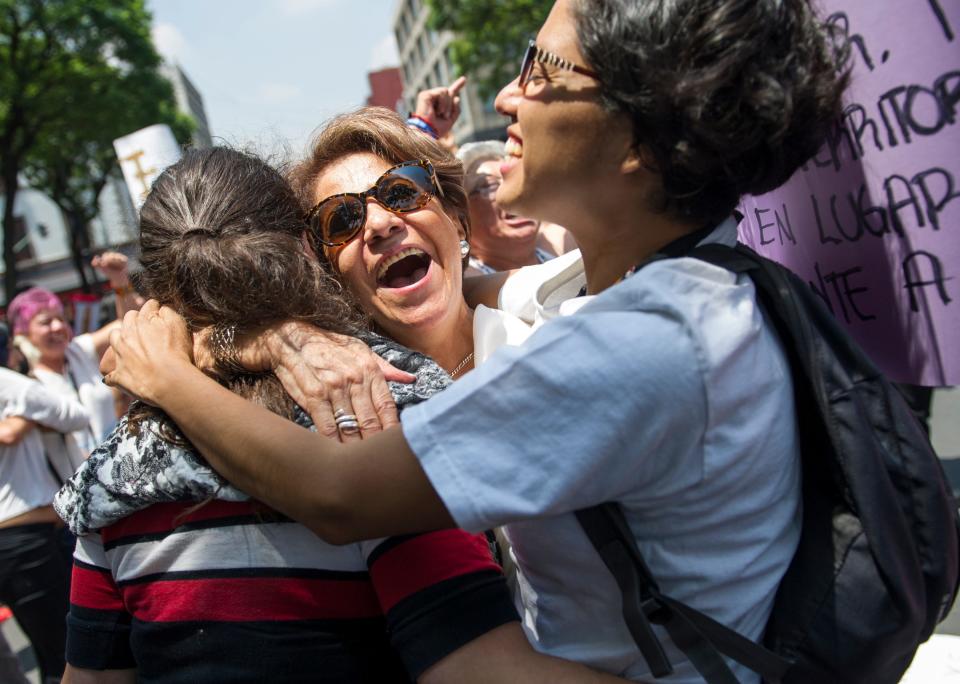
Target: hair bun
193	232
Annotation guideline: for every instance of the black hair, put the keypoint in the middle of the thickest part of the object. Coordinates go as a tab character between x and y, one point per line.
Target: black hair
726	97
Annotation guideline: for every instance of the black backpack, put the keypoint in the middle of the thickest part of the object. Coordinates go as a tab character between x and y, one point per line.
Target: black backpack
877	564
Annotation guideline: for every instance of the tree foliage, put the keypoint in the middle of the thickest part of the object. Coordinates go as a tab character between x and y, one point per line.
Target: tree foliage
490	36
74	75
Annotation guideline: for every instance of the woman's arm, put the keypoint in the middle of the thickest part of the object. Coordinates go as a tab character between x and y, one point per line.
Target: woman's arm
324	371
484	289
115	266
55	411
314	480
14	429
101	338
77	675
504	655
320	370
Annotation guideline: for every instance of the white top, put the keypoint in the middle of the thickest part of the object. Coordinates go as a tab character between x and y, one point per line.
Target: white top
530	297
82	380
667	393
25	479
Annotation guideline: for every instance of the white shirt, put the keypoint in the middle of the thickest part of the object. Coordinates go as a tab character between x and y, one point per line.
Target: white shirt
529	298
82	380
667	393
25	479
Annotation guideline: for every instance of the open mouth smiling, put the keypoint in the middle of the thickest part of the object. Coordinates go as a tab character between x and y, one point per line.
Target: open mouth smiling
404	268
515	221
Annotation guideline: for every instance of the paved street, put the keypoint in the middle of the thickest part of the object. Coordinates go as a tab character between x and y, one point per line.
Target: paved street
945	428
19	645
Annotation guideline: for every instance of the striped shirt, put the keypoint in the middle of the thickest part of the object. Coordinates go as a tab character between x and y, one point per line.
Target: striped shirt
235	592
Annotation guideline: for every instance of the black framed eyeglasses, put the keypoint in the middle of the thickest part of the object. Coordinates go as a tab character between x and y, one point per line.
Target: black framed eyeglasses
403	188
536	53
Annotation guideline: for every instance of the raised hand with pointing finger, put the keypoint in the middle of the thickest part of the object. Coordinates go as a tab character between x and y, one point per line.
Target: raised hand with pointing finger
439	107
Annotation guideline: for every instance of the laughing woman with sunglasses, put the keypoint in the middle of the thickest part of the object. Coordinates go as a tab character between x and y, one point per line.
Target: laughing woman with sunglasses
389	212
635	125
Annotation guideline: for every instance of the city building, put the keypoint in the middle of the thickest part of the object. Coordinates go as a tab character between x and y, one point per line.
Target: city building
189	101
425	62
386	88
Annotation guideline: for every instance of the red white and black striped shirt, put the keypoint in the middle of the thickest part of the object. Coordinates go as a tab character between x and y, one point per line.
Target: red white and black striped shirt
235	592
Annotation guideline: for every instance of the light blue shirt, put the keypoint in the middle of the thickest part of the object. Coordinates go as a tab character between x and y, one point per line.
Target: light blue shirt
668	393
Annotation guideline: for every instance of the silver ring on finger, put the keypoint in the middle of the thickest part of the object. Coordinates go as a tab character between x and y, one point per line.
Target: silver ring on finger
347	423
349	427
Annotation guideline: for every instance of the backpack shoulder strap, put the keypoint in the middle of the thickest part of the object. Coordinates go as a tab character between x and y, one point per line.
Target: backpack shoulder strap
602	525
701	638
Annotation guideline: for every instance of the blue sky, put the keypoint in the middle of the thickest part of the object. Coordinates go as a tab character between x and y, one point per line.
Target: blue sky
271	71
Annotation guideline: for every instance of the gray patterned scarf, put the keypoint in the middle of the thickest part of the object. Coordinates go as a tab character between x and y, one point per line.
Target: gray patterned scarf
128	472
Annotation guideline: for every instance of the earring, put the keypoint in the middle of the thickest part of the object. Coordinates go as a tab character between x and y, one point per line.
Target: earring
464	248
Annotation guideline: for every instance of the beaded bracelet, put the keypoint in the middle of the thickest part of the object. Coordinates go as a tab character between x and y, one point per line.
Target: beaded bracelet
223	347
422	124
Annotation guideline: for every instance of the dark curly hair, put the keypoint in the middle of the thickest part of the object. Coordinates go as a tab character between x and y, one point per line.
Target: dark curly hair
726	97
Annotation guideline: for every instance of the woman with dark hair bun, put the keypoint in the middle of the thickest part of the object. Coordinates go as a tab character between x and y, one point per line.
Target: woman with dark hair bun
637	126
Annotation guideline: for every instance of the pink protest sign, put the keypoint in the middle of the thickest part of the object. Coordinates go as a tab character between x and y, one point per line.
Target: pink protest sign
873	221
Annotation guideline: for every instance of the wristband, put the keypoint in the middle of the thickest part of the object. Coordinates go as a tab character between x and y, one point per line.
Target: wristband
122	291
223	348
422	124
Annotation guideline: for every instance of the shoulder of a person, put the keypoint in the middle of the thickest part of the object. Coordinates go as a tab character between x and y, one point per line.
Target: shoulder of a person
655	320
41	388
687	270
144	442
682	285
15	391
12	381
641	339
473	270
146	451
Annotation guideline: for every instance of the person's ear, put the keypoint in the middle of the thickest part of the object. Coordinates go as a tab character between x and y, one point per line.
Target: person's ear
308	245
460	220
638	158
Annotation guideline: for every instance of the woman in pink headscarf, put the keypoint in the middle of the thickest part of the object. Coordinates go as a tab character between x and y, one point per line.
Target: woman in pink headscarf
69	366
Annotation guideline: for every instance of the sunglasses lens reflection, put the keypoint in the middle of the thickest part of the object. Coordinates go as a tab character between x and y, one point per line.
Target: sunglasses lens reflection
405	188
340	218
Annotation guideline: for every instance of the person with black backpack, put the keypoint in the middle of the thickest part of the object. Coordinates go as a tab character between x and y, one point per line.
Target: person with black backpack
688	460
